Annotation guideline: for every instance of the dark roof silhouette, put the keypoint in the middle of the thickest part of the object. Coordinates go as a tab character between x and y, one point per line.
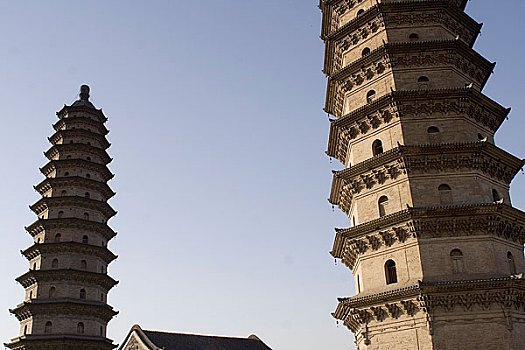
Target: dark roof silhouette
180	341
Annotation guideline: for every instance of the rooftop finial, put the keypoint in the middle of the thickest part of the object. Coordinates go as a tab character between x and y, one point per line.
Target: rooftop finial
84	93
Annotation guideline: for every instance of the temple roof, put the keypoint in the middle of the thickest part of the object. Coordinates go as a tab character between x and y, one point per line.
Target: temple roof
178	341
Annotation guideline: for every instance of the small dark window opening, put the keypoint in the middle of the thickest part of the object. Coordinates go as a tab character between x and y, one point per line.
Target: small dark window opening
85	239
457	260
480	137
88	158
86	216
360	12
34	266
445	194
66	173
88	176
54	264
370	96
390	272
358	285
58	236
60	214
83	264
382	204
423	79
377	147
52	292
87	195
366	51
413	36
49	327
512	263
82	294
433	130
495	195
80	328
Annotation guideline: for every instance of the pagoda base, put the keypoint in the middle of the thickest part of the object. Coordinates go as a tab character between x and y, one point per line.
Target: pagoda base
60	343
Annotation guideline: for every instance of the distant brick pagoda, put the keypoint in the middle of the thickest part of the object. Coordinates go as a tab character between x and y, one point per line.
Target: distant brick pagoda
435	246
65	305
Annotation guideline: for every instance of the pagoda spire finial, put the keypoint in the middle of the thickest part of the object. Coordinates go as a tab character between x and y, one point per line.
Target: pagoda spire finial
84	93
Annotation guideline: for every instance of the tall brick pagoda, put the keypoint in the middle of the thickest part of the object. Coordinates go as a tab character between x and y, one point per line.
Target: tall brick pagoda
434	244
67	284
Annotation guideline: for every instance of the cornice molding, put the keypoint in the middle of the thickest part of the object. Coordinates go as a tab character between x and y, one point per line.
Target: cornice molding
404	105
42	225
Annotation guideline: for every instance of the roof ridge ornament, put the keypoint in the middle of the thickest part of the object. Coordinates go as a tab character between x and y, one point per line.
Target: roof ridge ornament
84	93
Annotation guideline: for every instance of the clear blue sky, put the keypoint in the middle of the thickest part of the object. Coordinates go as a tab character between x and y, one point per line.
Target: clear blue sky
218	140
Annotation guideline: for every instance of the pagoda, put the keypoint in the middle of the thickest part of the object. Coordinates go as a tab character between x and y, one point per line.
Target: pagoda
433	243
66	287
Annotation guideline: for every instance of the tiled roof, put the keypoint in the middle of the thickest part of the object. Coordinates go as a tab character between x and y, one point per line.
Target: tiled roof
178	341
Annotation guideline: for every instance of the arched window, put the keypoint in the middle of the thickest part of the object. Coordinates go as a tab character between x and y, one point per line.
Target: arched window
480	137
58	236
377	147
54	264
370	96
382	203
390	272
63	193
66	173
413	37
87	195
86	216
433	130
52	292
83	264
512	263
433	134
366	51
445	194
423	82
85	239
457	260
48	327
82	294
360	12
80	328
88	158
60	214
495	195
88	176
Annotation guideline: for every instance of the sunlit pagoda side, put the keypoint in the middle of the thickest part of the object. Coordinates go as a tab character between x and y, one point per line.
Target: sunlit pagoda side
434	244
67	285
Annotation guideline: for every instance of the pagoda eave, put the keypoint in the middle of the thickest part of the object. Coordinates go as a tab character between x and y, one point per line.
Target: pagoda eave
61	124
459	102
33	276
43	224
48	183
60	342
64	307
63	247
93	111
78	201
